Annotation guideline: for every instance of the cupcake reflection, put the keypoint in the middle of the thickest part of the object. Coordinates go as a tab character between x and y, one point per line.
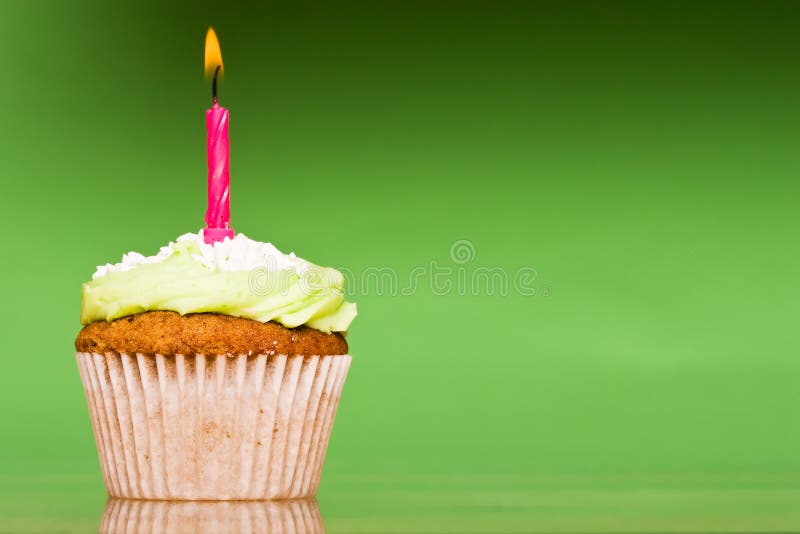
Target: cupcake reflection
217	517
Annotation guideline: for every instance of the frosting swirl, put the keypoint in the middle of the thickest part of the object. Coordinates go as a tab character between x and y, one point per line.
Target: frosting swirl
239	277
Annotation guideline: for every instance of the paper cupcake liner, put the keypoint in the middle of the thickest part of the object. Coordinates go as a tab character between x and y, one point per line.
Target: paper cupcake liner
212	427
199	517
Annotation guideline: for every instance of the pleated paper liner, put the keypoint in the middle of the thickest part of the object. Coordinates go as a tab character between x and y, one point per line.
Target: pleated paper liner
211	517
212	427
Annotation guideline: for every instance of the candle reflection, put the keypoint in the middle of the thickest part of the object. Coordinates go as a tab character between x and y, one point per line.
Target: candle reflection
285	517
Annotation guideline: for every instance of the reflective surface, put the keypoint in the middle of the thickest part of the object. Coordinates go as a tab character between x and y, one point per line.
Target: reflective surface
291	517
400	504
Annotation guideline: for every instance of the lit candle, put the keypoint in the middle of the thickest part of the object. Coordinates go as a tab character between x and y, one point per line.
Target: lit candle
218	214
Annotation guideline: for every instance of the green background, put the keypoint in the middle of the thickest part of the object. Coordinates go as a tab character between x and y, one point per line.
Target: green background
642	157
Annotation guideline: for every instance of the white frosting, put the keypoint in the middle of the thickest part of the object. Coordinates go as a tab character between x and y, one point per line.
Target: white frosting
238	254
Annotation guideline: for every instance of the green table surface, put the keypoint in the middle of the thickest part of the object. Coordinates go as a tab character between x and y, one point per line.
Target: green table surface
468	504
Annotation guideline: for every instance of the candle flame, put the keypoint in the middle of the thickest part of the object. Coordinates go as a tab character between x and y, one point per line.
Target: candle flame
213	57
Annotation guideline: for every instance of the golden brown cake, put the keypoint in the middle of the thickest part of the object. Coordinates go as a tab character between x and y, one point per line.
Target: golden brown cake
167	332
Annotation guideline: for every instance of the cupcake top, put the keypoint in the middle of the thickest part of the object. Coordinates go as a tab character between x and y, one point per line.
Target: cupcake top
236	277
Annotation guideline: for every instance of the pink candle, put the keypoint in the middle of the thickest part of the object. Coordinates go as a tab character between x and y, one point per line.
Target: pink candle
218	214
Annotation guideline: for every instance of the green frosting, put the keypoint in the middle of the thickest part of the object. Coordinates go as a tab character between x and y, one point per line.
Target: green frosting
182	282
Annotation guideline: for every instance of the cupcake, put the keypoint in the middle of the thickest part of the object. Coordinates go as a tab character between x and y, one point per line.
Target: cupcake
213	371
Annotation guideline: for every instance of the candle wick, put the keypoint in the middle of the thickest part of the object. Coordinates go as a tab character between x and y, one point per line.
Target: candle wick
214	85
